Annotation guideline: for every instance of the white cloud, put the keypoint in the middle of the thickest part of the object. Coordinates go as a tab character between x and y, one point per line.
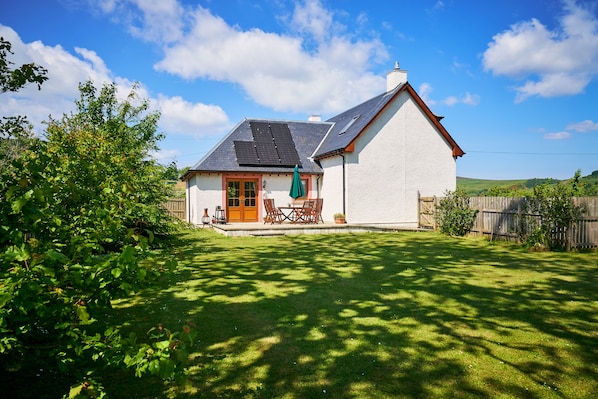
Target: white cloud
583	126
276	70
437	7
553	85
425	89
312	19
470	99
66	71
450	101
555	63
165	155
195	119
159	21
557	136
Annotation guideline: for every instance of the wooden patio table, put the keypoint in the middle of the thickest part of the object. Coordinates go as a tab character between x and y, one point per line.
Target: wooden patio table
290	212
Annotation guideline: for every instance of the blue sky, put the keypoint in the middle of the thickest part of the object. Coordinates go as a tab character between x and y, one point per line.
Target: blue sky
515	80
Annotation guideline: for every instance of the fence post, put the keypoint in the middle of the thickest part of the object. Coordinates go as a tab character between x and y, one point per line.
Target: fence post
435	226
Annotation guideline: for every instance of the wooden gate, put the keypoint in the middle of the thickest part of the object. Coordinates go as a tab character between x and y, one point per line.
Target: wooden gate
427	207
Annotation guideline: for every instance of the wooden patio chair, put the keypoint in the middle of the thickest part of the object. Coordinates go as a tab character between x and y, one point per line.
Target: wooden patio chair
306	214
318	210
273	214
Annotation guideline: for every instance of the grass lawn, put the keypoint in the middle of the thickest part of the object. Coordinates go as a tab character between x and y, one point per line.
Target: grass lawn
389	315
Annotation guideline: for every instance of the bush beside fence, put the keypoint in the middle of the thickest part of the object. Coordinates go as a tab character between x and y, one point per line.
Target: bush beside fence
501	218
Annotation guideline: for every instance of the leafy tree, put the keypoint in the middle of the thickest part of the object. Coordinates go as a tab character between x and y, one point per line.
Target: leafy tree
184	170
453	214
15	79
171	171
78	214
102	155
15	131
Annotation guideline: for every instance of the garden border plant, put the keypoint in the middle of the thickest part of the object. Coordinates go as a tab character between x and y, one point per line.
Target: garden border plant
549	214
453	213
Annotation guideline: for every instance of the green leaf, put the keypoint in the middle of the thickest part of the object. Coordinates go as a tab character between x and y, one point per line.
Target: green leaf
82	314
57	256
21	201
4	298
116	272
162	345
166	368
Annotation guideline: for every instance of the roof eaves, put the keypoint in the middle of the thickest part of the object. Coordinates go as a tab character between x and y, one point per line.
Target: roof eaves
332	153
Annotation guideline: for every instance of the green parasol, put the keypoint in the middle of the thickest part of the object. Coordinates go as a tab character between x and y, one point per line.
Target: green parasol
296	186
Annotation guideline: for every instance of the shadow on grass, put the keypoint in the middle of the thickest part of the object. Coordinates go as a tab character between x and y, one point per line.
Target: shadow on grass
406	315
382	316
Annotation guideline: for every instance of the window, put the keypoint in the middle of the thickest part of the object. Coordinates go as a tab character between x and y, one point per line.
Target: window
349	124
305	184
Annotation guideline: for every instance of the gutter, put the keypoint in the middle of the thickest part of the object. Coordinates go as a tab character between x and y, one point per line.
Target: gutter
344	186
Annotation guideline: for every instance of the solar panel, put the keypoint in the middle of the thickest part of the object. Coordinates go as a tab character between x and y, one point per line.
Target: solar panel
285	146
280	132
246	153
288	155
261	131
272	145
266	152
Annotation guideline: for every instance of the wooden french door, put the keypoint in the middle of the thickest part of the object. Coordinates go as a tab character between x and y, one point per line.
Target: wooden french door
241	200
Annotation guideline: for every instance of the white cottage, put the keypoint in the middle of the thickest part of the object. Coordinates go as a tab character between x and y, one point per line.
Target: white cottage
371	162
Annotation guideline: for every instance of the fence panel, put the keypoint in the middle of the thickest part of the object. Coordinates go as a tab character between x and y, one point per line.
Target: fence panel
177	207
501	217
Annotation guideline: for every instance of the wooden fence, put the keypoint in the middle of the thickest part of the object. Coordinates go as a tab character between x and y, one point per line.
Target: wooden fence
501	217
177	207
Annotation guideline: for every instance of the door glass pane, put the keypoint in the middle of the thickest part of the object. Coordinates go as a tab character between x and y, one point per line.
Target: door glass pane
233	193
250	193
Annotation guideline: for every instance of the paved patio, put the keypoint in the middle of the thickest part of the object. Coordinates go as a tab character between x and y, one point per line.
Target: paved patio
261	229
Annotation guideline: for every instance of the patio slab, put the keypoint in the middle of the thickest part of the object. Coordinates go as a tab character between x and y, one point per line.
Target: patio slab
266	230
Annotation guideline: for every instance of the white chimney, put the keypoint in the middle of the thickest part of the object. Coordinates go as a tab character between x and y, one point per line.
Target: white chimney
395	77
315	118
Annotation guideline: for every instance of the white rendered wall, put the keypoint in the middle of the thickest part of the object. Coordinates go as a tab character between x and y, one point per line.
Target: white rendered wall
400	156
332	187
278	187
204	190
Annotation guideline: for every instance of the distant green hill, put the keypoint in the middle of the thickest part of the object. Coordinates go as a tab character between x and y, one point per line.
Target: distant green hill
478	187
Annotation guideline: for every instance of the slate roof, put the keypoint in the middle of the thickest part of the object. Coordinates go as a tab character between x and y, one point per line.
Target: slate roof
351	123
306	137
314	140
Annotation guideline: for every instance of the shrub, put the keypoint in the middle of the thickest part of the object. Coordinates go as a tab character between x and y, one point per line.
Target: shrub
78	214
550	212
453	214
